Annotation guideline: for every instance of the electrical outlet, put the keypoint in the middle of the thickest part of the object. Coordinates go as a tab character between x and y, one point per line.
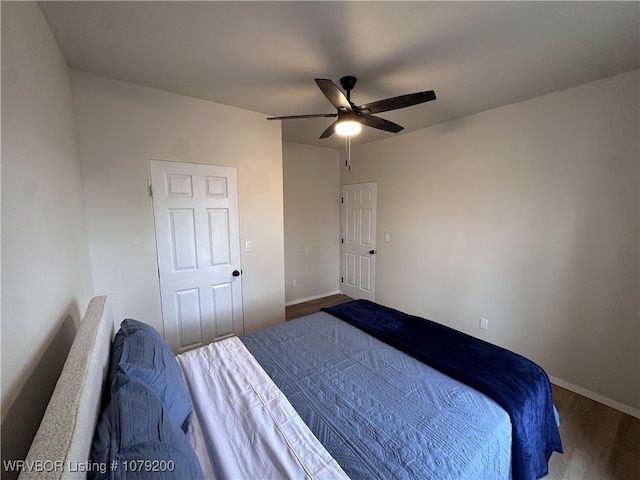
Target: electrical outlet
294	283
484	324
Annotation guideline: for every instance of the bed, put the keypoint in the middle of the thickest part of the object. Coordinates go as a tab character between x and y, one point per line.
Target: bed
343	393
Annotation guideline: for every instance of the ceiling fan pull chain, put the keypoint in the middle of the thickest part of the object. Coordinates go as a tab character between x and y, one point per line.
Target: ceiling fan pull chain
348	150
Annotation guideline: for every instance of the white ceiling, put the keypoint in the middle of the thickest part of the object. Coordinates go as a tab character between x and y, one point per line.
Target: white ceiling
263	56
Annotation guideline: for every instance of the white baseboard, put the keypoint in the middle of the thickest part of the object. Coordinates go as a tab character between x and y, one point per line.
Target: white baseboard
634	412
314	297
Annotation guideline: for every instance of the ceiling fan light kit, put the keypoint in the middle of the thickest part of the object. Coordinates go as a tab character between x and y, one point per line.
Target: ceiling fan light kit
351	117
348	128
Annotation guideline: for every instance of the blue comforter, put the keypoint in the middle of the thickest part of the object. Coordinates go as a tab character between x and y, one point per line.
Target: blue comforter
520	386
381	413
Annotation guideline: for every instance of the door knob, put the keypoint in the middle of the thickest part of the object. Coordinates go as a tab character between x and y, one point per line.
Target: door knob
236	273
371	252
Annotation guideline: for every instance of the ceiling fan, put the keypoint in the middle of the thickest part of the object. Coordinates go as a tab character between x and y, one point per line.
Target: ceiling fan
351	116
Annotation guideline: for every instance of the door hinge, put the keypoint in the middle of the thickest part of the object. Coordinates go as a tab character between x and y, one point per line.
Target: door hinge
150	191
341	199
341	279
342	240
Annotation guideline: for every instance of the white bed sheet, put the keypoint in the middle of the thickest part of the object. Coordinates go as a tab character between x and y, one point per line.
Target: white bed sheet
250	430
199	444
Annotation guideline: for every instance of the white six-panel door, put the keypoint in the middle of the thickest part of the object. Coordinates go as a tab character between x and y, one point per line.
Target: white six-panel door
198	241
358	218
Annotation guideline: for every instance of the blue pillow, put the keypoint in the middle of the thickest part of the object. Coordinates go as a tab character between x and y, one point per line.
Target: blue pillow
136	438
139	351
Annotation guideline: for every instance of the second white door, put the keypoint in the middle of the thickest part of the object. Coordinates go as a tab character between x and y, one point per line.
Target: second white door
358	218
198	241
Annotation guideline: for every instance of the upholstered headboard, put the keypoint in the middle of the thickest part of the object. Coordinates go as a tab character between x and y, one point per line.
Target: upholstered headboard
60	449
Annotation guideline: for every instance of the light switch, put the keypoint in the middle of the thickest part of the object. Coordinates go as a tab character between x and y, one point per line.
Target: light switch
387	237
248	247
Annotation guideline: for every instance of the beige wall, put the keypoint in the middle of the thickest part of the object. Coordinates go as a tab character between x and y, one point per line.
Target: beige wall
46	280
311	221
527	215
121	127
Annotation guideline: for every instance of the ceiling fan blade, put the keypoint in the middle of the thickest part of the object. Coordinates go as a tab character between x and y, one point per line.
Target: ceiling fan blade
380	123
334	94
330	130
312	115
394	103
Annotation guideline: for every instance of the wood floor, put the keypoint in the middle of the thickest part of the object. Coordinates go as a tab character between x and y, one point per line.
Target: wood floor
600	443
313	306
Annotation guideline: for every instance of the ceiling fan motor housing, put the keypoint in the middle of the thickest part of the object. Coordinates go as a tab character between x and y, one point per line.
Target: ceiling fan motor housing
348	82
